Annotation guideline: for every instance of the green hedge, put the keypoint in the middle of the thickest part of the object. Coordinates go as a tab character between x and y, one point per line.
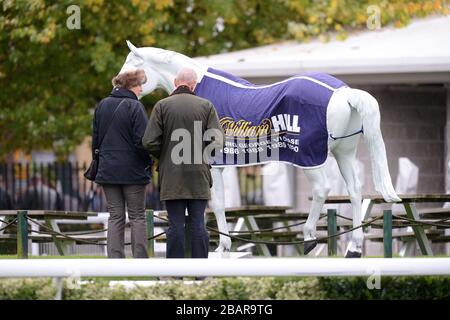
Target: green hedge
392	288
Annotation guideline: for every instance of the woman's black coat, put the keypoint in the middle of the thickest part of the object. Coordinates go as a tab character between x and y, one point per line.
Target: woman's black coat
123	160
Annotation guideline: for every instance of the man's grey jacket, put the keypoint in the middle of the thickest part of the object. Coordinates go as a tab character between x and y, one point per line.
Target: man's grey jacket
175	136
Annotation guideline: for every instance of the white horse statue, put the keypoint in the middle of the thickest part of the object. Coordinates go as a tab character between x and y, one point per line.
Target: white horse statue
347	111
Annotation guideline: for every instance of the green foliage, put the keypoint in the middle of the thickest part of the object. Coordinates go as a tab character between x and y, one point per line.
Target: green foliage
94	290
27	289
392	288
307	289
325	17
52	76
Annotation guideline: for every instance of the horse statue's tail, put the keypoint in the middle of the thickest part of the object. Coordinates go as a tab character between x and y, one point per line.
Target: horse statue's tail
367	107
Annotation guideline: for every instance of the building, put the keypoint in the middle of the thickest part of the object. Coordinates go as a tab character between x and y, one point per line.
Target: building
408	72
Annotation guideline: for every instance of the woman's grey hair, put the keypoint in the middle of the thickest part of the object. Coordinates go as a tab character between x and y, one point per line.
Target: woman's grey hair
129	79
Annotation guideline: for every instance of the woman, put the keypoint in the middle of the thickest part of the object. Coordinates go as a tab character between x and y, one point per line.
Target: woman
124	166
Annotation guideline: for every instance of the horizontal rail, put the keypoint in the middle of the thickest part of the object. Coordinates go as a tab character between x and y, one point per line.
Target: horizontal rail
223	267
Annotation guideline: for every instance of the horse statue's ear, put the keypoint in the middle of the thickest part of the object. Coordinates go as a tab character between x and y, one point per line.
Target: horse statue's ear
134	49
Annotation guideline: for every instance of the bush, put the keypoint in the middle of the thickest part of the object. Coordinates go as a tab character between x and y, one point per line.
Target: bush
392	288
281	288
307	289
27	289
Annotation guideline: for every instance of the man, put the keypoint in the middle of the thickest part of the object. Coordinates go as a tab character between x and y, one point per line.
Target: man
184	173
40	196
5	199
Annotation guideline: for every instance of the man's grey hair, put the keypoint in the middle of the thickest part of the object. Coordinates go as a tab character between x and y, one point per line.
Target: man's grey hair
186	76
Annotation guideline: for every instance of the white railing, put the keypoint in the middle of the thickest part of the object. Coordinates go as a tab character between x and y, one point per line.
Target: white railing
223	267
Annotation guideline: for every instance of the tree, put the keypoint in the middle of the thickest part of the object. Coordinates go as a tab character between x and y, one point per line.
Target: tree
54	68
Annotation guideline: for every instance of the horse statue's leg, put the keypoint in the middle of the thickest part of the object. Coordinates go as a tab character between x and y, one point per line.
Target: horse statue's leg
343	121
218	206
348	167
367	107
348	110
320	188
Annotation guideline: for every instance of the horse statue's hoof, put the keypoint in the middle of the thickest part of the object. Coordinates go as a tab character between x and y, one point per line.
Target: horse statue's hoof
222	249
309	246
353	254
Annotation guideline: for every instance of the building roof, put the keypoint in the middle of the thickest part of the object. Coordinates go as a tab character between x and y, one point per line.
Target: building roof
417	53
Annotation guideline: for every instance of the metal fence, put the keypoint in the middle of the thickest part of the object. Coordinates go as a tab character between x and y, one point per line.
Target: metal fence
56	186
61	186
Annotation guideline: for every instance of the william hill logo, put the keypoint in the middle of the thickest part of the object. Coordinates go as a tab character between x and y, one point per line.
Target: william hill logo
285	122
244	128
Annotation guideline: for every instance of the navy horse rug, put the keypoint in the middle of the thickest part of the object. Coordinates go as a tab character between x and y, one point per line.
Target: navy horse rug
285	121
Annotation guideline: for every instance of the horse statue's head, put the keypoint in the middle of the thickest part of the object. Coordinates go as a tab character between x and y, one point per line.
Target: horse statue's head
160	66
